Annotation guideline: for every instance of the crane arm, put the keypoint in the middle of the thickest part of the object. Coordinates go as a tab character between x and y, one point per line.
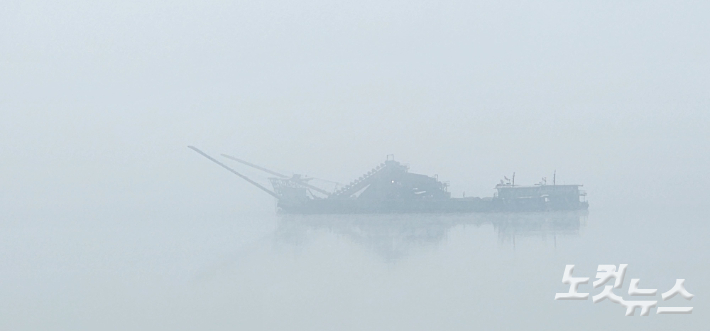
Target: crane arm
234	172
300	182
255	166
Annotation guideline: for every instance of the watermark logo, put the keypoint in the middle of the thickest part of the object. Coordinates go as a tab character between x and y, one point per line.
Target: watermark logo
607	272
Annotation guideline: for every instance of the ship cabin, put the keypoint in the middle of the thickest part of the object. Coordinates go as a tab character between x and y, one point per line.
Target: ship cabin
552	197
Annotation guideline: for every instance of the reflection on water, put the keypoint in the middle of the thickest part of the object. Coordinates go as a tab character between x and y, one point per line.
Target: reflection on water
397	235
357	272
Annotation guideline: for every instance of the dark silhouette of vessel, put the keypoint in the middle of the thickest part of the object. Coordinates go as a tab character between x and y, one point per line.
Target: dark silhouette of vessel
391	188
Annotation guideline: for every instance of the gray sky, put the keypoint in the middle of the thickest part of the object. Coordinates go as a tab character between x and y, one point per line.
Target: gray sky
99	99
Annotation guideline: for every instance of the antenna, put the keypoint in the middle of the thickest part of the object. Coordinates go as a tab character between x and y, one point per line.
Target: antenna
554	174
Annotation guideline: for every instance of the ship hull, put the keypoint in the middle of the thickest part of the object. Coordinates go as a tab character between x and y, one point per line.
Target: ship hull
474	205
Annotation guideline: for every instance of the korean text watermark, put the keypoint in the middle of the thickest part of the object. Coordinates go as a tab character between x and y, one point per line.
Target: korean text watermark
607	272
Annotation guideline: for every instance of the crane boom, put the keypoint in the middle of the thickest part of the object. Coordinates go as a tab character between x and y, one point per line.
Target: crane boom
294	179
255	166
234	172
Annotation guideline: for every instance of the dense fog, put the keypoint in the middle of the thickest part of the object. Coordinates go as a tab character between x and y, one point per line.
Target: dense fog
110	221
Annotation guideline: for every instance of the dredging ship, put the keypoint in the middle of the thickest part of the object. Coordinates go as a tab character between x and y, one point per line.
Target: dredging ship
390	188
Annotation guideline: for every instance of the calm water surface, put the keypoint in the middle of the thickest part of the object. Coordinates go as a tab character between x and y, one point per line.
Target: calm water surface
380	272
